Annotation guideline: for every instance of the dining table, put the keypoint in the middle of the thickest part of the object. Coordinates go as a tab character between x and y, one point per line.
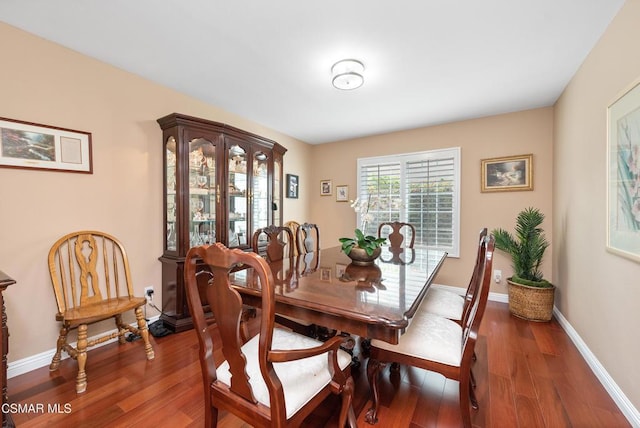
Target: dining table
324	288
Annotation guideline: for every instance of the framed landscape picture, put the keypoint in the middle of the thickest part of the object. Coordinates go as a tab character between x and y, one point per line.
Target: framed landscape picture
623	174
35	146
507	173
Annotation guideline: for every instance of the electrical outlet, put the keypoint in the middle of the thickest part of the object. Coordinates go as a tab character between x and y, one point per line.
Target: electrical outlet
148	293
497	275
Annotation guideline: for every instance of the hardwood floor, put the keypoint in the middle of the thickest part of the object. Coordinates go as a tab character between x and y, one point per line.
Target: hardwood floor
528	375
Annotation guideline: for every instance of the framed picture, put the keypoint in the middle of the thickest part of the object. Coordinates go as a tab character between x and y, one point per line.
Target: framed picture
325	188
342	193
35	146
292	186
623	174
506	174
325	274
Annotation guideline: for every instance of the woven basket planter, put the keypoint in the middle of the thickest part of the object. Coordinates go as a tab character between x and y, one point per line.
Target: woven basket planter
531	303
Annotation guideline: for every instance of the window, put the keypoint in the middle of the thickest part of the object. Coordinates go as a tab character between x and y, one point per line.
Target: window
418	188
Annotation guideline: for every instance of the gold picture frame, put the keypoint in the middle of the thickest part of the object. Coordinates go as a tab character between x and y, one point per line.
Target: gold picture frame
342	193
507	173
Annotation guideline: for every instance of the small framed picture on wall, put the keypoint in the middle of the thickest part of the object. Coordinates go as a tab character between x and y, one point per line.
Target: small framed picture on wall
342	193
292	186
326	188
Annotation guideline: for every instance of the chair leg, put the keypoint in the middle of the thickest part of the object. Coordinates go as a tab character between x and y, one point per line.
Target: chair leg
81	379
373	373
465	391
472	397
473	379
144	333
346	412
62	340
119	326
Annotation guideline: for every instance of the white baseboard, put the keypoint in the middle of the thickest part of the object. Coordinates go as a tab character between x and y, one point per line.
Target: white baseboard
42	359
621	400
614	391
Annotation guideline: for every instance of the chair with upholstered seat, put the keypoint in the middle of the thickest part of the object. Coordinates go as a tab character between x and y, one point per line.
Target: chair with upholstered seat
450	304
397	236
92	282
277	377
273	242
438	344
308	238
293	226
276	243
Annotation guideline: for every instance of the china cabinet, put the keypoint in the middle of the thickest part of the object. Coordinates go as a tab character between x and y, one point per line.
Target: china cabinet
220	185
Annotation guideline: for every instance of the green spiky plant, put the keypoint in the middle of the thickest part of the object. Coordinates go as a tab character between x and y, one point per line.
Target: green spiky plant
368	243
526	248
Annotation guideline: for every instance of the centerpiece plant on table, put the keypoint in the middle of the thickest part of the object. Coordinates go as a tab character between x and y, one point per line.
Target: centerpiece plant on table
362	249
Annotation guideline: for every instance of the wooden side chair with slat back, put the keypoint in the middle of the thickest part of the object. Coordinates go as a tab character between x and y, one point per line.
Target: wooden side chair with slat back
276	378
92	282
438	344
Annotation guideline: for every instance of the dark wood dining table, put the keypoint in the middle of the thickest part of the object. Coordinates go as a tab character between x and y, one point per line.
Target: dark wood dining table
326	289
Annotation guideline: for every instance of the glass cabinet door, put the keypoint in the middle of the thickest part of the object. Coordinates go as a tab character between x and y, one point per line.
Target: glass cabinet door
261	211
238	197
277	190
171	238
203	192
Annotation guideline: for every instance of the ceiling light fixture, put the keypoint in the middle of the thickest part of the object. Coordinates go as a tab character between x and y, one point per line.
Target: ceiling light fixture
347	74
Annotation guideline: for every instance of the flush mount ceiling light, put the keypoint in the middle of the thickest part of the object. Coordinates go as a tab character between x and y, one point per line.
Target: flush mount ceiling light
347	74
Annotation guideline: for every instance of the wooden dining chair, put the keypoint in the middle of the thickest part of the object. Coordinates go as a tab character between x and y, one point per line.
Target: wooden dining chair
450	304
277	377
308	238
92	282
397	235
273	242
438	344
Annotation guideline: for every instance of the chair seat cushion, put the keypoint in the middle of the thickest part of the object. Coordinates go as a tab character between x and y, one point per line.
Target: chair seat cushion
103	309
301	379
444	303
430	337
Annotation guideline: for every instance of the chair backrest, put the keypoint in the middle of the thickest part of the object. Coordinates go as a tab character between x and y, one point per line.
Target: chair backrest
478	304
396	236
293	226
308	238
473	283
273	242
88	267
226	305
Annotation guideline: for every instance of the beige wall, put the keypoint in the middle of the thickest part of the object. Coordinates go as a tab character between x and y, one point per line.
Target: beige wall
599	291
44	83
510	134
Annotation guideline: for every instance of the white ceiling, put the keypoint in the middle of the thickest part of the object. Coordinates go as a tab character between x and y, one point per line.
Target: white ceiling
427	62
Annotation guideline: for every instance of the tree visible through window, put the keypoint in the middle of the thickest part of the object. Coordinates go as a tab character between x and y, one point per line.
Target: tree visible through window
418	188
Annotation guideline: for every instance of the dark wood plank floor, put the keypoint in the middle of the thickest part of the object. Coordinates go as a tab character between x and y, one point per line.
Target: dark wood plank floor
528	375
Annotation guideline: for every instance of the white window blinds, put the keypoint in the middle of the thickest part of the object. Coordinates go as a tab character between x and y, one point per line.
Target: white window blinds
418	188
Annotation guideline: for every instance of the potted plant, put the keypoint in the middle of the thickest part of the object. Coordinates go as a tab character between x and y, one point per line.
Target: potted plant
363	249
530	295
